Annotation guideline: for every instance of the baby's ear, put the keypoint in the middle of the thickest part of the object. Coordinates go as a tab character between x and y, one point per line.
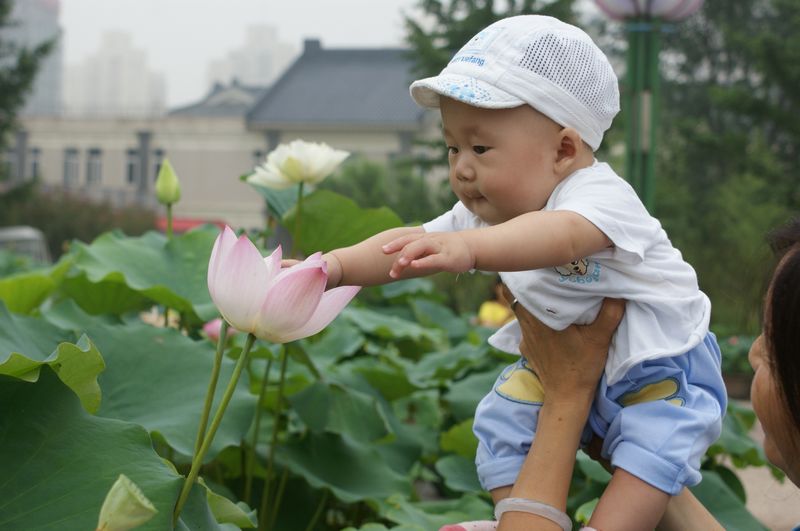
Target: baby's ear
570	147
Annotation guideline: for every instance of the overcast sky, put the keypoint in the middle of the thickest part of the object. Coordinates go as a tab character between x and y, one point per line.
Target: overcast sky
182	36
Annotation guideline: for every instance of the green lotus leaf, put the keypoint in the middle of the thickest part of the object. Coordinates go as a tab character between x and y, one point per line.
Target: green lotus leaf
170	272
591	468
228	512
109	297
449	365
67	315
584	513
330	220
340	340
459	473
26	291
408	288
460	440
59	462
351	470
435	514
433	314
723	503
421	408
27	344
339	409
464	395
279	202
389	326
158	378
392	381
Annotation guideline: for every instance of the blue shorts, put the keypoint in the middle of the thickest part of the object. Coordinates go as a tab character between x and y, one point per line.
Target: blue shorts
656	423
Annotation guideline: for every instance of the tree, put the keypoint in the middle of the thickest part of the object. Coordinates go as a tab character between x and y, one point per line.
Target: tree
447	26
728	159
18	68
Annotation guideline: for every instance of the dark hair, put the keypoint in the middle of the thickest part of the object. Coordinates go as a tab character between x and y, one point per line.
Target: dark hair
782	318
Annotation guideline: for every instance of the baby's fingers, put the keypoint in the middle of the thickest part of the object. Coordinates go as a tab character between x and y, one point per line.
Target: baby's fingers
399	243
411	254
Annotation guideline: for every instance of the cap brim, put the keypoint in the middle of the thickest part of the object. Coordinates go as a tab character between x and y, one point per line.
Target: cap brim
472	91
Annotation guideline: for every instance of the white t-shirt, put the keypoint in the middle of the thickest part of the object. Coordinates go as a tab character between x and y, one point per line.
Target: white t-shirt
666	313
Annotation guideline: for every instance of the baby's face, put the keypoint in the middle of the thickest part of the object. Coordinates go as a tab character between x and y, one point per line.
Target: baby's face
501	160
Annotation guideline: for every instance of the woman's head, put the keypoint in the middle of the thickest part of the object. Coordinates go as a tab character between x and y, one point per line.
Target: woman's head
776	356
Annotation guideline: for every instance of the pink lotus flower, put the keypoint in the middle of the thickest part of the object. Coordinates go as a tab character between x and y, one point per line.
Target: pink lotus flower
256	296
214	327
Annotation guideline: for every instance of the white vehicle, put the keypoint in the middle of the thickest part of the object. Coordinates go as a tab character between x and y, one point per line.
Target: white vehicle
25	241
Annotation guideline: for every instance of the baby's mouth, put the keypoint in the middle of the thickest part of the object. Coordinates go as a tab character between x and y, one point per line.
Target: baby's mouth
473	196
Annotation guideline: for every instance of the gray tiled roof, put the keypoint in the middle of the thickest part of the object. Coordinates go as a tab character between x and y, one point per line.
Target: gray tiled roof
352	87
223	101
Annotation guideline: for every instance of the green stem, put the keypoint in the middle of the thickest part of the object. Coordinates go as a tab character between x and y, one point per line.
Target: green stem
277	416
297	219
251	454
169	221
317	514
212	386
278	498
197	460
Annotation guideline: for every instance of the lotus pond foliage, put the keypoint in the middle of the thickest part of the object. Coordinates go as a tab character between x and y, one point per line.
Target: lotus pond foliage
105	367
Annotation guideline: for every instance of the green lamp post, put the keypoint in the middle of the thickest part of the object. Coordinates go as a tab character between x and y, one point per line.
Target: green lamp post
645	20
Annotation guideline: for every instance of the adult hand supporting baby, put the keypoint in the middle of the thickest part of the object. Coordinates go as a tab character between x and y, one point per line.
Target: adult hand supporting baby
569	364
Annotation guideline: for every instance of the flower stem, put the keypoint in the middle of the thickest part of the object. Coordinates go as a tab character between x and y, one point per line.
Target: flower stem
251	454
297	219
212	386
278	498
275	425
197	460
317	514
169	221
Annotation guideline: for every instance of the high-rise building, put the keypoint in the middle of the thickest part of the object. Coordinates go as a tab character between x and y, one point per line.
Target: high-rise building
115	80
258	62
33	22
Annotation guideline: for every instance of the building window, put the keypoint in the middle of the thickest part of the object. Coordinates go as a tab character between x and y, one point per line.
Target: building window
132	166
9	165
36	163
70	167
158	158
94	167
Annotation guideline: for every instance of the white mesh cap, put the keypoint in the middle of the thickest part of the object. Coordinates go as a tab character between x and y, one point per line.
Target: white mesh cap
531	59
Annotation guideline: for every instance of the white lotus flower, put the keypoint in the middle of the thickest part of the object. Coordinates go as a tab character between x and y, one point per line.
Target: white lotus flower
297	162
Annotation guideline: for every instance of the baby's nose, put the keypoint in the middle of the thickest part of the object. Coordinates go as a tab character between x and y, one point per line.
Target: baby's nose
464	172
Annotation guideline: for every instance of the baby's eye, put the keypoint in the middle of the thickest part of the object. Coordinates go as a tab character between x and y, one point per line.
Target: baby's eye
452	150
480	150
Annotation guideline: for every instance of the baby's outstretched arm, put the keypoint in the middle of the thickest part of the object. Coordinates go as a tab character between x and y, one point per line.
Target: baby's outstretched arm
529	241
365	263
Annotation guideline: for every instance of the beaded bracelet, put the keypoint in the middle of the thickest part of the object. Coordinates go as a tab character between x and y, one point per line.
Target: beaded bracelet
533	507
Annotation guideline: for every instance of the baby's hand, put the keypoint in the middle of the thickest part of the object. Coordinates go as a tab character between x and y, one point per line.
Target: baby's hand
289	262
334	268
431	252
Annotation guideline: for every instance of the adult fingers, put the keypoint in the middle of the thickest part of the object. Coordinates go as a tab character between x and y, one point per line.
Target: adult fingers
607	319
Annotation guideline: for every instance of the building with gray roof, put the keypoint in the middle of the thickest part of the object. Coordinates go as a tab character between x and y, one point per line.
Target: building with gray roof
341	89
235	99
352	99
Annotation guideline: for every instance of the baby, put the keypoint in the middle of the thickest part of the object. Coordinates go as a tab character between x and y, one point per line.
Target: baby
524	105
